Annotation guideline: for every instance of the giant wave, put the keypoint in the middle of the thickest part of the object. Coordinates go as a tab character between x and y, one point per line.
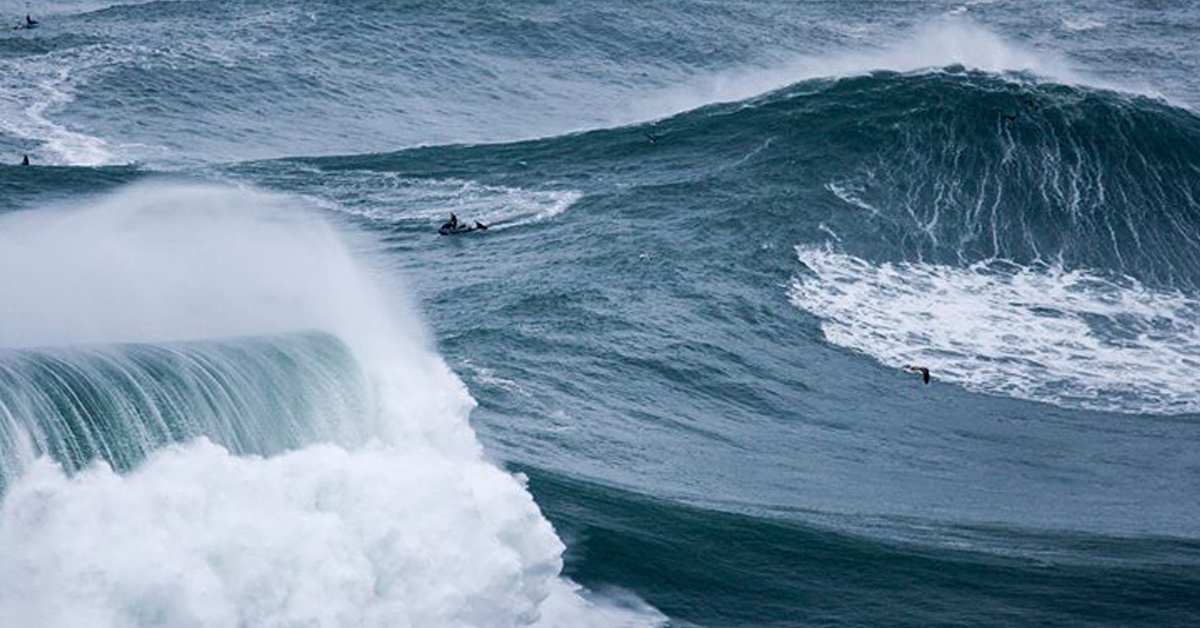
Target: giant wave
214	416
1068	190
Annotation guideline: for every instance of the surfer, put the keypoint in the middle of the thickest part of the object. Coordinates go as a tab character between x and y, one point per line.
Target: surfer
918	369
25	160
653	137
30	22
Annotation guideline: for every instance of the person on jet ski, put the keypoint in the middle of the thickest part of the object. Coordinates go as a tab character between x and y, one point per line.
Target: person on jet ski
453	226
29	21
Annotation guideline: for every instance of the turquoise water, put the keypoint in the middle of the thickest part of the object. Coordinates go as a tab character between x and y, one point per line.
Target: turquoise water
717	232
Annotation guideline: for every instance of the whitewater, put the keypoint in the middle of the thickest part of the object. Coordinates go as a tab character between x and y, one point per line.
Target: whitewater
343	487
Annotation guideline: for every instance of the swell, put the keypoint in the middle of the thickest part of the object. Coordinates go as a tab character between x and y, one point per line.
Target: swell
1076	208
948	166
22	186
1057	227
963	169
276	73
723	569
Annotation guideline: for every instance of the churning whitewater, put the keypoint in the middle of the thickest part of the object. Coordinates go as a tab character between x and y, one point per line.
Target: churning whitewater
245	383
264	446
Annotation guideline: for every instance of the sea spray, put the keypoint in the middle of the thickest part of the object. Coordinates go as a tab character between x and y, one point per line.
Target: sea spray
412	527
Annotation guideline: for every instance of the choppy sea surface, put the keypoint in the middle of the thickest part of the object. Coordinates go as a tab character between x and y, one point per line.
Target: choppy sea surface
243	382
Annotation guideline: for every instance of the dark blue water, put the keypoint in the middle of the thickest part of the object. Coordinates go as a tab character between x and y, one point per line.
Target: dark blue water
717	231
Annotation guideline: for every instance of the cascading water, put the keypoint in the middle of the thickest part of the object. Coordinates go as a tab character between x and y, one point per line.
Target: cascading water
241	430
119	403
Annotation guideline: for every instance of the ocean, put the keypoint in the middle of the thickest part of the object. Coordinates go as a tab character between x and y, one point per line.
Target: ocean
245	383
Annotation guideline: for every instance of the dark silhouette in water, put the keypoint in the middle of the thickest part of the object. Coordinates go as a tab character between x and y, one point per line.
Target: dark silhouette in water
452	226
918	369
652	137
1030	103
1008	118
30	21
25	160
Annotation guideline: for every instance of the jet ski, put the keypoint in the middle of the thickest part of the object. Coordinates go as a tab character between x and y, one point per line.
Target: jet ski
453	229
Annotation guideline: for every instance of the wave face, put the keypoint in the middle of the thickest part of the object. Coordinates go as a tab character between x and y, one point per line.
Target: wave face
950	166
654	544
1027	241
970	167
119	403
1022	238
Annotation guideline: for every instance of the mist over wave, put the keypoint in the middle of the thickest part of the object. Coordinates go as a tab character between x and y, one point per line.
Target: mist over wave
287	80
344	489
933	45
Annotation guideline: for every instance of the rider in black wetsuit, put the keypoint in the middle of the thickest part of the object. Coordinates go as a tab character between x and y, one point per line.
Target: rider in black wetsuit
453	226
450	226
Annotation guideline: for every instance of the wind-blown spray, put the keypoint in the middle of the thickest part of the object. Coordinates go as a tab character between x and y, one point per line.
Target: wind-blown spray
163	468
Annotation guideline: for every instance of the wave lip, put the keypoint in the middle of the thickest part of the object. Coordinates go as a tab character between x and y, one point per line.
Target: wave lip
1070	338
951	41
119	403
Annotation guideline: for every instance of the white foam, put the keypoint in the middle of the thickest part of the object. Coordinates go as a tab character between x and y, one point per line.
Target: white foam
418	528
61	7
488	376
384	536
1080	24
394	198
949	40
39	86
850	192
1071	338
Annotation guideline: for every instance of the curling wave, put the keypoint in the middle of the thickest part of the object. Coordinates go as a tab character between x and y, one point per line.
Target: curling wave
325	477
